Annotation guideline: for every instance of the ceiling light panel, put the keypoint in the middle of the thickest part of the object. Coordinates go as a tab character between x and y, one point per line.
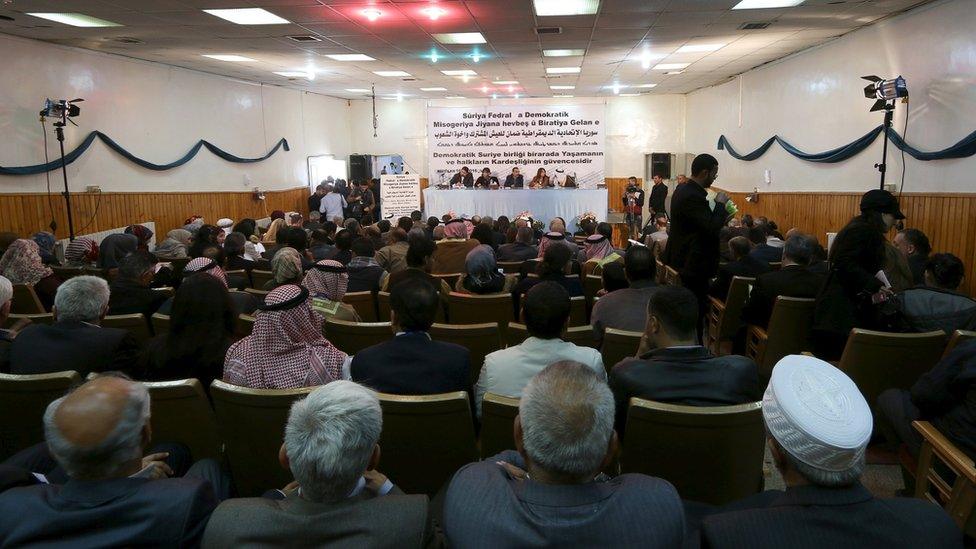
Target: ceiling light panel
763	4
350	57
227	57
562	70
391	73
565	7
433	89
670	66
460	38
461	72
562	87
249	16
697	48
75	19
563	53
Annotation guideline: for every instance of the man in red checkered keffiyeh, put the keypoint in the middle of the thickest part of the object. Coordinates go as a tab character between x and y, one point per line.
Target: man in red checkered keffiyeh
286	348
206	265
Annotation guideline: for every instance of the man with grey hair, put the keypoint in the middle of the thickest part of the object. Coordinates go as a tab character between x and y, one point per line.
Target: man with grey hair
819	427
792	280
113	496
549	493
75	341
331	447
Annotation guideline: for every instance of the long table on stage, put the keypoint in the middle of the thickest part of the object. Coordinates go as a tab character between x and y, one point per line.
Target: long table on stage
544	204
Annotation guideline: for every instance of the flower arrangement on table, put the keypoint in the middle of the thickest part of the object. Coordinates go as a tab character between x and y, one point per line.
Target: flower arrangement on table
585	216
524	215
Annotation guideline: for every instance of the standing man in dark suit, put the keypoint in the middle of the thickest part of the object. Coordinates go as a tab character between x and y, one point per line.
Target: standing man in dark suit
411	363
113	497
75	341
819	427
549	492
792	280
693	243
331	447
671	367
633	201
514	180
659	194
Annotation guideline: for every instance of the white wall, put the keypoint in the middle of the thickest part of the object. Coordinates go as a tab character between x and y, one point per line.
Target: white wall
815	101
158	112
635	126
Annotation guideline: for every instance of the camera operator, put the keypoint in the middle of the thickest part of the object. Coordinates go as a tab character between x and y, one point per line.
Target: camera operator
633	200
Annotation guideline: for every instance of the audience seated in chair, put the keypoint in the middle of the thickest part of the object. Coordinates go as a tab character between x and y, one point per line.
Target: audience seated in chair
411	363
520	250
764	250
658	239
21	263
286	348
937	305
419	262
338	497
321	241
915	246
201	329
75	341
6	335
546	315
393	256
453	248
203	266
548	493
626	309
286	268
552	268
598	251
365	274
820	426
671	367
327	281
481	274
792	280
130	291
743	264
113	496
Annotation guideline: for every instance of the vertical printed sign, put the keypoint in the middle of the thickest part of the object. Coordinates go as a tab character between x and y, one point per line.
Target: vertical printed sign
399	194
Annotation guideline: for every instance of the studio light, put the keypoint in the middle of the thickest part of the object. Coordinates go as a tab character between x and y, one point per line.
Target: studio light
884	90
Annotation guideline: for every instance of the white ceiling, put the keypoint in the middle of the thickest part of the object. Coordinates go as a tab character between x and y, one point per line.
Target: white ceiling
177	32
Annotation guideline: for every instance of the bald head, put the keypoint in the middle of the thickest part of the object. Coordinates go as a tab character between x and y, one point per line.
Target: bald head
98	431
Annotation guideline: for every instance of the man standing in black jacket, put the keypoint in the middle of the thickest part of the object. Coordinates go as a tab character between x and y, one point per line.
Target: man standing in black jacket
693	243
659	193
633	201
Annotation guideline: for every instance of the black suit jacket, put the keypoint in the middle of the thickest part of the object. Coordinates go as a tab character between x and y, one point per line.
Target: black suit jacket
467	180
659	193
693	241
71	345
413	364
747	266
691	375
766	253
817	517
517	251
514	182
791	281
129	298
125	512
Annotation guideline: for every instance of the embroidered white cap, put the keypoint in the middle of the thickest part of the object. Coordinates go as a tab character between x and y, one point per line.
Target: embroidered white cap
816	413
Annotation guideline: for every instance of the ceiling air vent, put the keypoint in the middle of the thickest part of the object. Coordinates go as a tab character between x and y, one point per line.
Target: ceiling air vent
6	18
408	79
304	38
548	30
127	40
754	26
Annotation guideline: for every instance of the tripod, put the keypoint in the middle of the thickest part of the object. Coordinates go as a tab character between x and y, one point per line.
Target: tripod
59	130
889	109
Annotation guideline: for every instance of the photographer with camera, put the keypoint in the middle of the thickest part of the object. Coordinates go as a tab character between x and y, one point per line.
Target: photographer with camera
634	207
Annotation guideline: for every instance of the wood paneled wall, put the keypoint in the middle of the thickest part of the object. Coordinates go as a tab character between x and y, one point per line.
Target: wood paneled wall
25	214
949	220
616	186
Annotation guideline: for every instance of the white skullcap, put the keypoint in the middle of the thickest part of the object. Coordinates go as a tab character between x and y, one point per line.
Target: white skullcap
6	290
223	223
816	413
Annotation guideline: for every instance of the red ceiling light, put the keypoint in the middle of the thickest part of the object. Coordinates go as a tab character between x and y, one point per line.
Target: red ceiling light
433	12
372	13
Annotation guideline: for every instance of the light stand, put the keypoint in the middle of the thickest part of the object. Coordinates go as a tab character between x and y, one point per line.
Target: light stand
889	109
59	130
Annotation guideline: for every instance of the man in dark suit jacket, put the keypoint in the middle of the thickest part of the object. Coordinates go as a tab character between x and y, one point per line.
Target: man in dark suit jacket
762	250
820	425
342	501
113	497
131	292
412	363
693	243
463	178
75	341
659	194
792	280
545	494
743	265
520	250
672	368
514	180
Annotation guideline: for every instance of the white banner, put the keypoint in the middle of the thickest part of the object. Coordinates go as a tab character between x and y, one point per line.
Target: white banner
566	141
399	195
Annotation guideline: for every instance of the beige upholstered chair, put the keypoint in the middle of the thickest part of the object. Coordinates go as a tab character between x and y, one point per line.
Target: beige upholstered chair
788	333
479	339
352	337
364	303
497	424
259	278
25	300
477	309
946	476
181	413
23	401
618	345
36	318
724	319
160	323
958	337
136	324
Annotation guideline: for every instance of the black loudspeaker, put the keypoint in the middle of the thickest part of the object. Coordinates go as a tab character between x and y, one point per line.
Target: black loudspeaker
360	167
661	165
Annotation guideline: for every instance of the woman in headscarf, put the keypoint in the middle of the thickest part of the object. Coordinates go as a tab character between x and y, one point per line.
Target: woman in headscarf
81	252
244	303
45	244
176	245
114	247
206	236
21	264
481	274
599	251
286	268
143	233
326	282
453	249
247	227
286	348
193	223
271	237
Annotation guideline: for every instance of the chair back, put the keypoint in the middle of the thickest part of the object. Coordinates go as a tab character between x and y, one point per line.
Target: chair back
878	360
946	476
258	295
136	324
516	334
426	439
450	278
352	337
671	276
244	325
788	333
479	339
497	420
364	303
959	336
181	413
660	273
36	318
580	335
724	319
477	309
510	267
775	265
252	425
618	345
23	401
259	278
160	323
178	264
66	273
383	306
710	454
577	311
591	285
25	300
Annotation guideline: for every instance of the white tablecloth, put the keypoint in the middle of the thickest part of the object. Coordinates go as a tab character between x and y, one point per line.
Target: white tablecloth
543	204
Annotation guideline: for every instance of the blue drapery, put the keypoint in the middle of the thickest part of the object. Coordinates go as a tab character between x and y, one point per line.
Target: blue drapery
963	148
80	150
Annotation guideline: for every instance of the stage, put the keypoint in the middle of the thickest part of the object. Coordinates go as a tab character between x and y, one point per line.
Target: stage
543	204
